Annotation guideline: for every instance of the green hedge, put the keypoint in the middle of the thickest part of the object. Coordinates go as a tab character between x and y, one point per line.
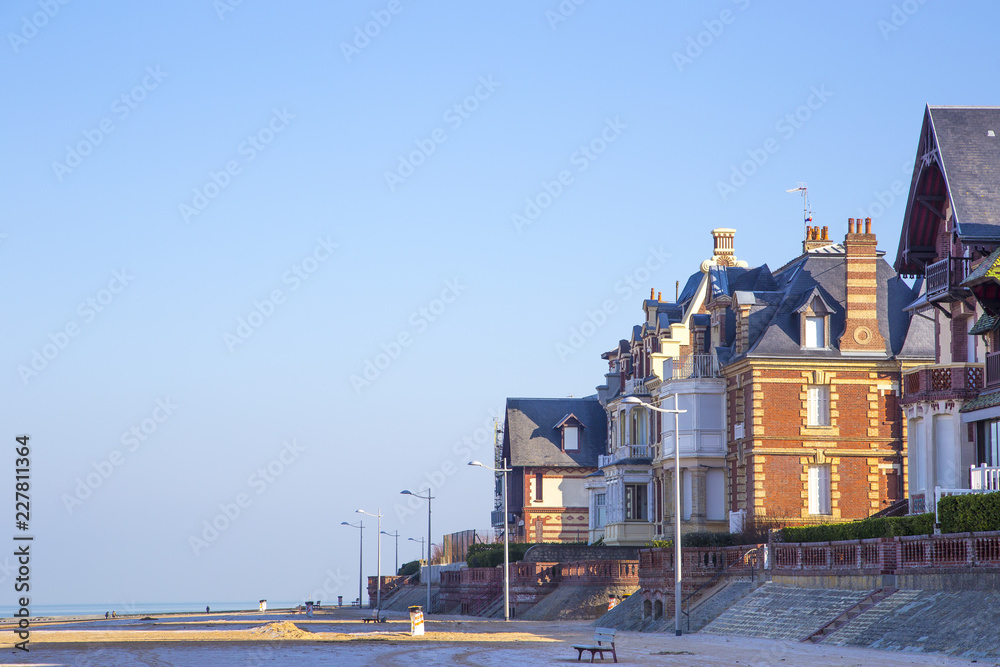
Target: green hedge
406	569
919	524
702	539
491	555
969	513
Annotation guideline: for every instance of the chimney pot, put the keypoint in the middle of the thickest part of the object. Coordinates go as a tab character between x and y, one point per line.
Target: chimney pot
651	290
825	234
659	297
850	225
868	225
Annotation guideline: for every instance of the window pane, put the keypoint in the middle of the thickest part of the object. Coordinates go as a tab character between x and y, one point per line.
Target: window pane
815	332
571	437
818	405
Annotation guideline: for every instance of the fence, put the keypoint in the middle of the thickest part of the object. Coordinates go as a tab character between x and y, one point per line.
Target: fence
891	554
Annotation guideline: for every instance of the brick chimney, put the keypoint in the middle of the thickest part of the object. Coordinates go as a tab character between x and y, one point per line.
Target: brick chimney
816	237
861	334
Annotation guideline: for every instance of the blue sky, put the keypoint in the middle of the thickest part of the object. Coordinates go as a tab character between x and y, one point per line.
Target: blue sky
216	214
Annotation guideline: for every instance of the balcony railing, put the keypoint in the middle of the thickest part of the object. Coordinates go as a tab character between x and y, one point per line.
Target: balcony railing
985	478
693	366
625	452
993	370
944	381
946	276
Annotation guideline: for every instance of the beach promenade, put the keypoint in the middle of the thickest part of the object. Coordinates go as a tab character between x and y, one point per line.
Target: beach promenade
339	637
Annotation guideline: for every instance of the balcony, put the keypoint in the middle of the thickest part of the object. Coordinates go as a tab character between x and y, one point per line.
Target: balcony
993	370
945	277
635	386
692	366
627	452
945	382
984	478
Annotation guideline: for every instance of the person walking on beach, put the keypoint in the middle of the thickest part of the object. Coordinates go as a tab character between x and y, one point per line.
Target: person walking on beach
106	614
113	615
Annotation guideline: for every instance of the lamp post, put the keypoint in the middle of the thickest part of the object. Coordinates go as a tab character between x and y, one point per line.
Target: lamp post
421	540
396	535
632	400
378	558
361	569
506	554
428	498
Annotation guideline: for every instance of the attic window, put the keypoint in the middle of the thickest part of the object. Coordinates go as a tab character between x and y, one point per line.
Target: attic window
571	438
814	328
569	427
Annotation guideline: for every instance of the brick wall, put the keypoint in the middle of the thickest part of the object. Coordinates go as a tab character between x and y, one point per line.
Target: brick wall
770	466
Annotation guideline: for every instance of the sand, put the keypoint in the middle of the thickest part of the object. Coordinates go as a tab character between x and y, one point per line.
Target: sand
339	637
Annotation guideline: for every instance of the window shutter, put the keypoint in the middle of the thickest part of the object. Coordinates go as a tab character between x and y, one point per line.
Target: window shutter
823	405
824	489
814	490
812	405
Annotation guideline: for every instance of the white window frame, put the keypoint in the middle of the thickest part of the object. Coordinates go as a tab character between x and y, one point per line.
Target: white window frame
571	444
814	328
819	490
600	510
818	405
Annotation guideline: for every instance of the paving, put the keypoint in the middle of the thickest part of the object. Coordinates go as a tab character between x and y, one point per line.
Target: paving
774	611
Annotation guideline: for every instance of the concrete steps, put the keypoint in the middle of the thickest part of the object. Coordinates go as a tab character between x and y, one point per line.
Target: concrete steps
849	615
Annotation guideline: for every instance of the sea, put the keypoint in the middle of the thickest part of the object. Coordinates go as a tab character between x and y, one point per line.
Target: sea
144	608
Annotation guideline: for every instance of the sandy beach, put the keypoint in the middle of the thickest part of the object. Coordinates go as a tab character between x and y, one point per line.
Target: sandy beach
339	637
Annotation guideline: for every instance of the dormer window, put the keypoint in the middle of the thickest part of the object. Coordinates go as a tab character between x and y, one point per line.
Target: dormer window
814	323
571	438
569	428
815	331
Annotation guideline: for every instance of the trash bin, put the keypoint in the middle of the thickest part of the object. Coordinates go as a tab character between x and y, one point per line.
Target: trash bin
416	621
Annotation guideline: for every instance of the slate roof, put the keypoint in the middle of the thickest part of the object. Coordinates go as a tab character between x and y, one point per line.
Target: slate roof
532	439
774	324
958	159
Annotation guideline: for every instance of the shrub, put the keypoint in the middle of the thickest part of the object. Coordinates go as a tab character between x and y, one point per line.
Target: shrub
491	555
406	569
920	524
969	513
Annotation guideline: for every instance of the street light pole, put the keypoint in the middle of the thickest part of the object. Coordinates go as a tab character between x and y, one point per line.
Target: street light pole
506	526
378	558
361	560
428	498
632	400
396	535
421	540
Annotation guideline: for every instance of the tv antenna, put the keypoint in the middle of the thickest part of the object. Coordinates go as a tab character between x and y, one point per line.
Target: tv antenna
807	216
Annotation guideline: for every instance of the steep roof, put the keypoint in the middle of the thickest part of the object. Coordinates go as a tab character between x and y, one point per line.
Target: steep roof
532	437
958	160
774	323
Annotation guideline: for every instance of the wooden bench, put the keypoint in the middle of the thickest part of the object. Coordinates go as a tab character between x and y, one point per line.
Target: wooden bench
375	618
605	641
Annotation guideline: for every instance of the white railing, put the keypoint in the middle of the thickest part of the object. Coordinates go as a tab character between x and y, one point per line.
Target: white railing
626	452
692	366
940	493
984	478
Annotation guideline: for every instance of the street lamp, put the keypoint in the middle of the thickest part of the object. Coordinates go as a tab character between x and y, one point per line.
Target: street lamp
378	558
632	400
361	569
428	498
421	540
506	554
396	535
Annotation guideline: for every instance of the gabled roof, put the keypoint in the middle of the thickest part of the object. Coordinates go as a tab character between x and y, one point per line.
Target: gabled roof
532	435
958	161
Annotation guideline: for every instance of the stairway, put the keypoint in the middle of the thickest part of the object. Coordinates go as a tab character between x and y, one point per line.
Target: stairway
846	617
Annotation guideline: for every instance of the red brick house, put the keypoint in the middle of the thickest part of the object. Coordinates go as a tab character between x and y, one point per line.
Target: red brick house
812	355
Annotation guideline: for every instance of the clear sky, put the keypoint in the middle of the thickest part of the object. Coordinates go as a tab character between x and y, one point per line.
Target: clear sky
217	216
